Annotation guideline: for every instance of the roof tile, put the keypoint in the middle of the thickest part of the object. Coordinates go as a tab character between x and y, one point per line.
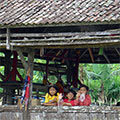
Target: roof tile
58	11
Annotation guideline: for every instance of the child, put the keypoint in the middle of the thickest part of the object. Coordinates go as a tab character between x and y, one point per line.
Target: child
51	98
70	98
82	98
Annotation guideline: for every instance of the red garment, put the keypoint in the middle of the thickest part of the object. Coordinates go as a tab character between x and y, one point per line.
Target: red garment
86	102
72	102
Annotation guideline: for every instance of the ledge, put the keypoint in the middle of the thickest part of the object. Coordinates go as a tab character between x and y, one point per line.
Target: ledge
77	109
11	112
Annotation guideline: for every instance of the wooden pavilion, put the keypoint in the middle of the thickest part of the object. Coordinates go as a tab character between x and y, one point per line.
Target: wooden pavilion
62	32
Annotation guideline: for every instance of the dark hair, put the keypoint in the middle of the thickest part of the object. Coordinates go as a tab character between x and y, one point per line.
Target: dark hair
87	88
54	86
72	91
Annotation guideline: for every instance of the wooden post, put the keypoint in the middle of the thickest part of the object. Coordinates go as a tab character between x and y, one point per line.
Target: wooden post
26	115
69	69
7	66
29	72
75	79
91	55
8	38
25	65
47	71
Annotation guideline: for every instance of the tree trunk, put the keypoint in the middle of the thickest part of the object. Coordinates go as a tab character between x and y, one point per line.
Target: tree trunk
101	95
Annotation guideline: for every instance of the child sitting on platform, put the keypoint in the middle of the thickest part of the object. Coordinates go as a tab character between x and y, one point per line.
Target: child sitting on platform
51	98
82	97
70	98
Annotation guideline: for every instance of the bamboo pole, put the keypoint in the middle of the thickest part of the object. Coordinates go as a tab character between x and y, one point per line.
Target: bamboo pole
91	55
8	39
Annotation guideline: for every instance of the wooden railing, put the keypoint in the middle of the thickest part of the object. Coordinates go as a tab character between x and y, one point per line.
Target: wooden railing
78	39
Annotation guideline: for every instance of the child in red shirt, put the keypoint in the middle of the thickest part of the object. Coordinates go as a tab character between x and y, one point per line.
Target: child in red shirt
82	98
70	99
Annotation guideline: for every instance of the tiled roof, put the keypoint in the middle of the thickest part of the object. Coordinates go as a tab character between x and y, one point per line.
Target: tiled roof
58	11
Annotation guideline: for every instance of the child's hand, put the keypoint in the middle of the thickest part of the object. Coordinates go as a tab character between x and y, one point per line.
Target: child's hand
82	97
78	95
52	101
60	96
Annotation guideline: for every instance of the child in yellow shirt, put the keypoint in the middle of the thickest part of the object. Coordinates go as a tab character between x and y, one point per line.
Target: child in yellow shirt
51	98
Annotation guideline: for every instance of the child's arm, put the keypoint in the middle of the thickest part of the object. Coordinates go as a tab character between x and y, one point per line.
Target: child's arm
46	98
53	101
66	104
49	104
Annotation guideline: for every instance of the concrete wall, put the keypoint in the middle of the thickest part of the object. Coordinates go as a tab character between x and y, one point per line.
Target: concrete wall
62	113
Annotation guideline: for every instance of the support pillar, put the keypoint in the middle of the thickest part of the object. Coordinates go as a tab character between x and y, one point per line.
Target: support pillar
29	72
69	70
7	99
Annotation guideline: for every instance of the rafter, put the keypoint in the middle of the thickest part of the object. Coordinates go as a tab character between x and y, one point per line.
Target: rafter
91	55
118	52
106	57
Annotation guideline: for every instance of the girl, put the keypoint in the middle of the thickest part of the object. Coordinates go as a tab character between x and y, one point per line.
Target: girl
70	98
51	98
82	98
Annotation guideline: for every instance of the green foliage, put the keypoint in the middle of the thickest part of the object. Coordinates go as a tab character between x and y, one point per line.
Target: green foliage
52	79
40	61
1	70
105	74
37	77
94	76
2	54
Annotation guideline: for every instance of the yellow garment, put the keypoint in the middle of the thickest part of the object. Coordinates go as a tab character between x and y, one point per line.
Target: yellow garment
48	97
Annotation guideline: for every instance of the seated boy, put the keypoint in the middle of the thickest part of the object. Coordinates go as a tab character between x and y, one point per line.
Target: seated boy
69	101
82	97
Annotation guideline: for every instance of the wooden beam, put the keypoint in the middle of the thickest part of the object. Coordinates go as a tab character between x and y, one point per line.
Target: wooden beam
56	55
106	57
38	66
23	49
77	43
63	56
91	55
68	40
118	52
19	85
22	59
83	54
8	39
98	33
41	51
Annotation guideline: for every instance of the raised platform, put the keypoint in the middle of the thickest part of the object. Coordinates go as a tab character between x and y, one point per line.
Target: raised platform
62	113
